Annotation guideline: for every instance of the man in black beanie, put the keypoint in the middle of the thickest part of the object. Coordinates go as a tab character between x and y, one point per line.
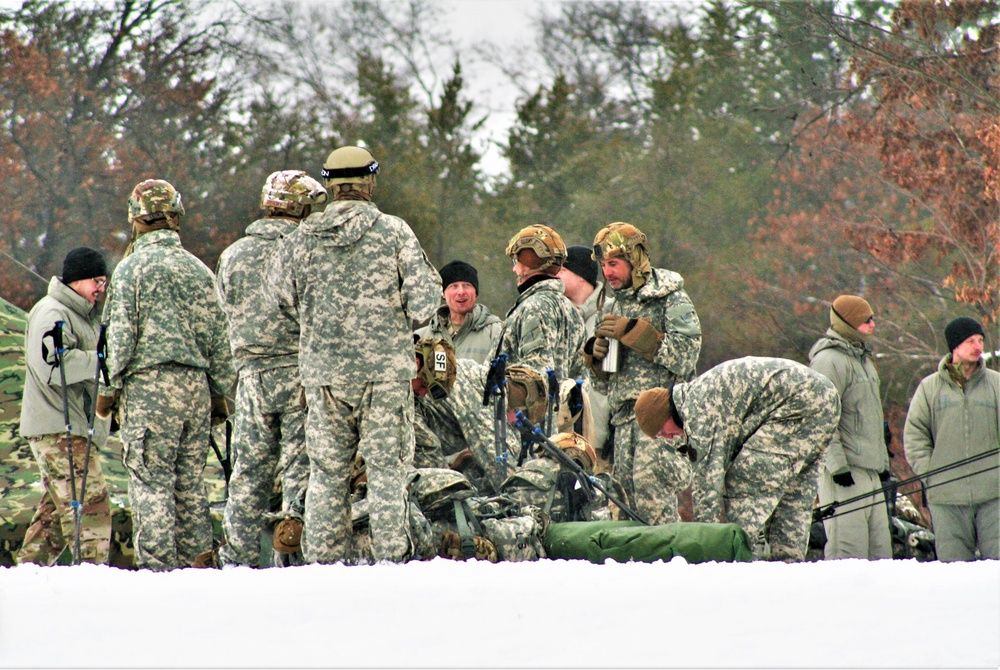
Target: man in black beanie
955	416
70	300
468	326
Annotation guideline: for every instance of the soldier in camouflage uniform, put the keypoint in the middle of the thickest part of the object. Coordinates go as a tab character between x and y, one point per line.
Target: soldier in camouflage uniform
269	435
655	321
72	300
460	420
170	367
543	330
355	279
467	325
757	429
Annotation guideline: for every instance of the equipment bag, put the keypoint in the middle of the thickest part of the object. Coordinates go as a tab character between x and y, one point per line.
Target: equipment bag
597	541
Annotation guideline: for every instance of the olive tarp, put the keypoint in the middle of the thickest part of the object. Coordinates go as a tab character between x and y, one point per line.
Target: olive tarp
20	482
622	541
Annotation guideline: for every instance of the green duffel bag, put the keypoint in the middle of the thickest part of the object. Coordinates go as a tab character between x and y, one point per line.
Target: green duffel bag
597	541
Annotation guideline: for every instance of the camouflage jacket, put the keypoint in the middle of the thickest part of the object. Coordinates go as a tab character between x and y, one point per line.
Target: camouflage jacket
355	280
860	439
161	309
948	422
544	331
725	406
261	336
662	300
42	403
461	421
474	340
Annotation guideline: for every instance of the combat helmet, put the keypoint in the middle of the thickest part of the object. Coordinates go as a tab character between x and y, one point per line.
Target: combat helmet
291	193
543	241
349	165
625	241
439	366
576	448
154	199
526	391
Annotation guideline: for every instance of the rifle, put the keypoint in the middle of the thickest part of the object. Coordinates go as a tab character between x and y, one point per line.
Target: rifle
495	390
226	463
588	483
553	404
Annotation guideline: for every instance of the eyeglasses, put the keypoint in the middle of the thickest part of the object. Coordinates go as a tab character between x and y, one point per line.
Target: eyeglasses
101	282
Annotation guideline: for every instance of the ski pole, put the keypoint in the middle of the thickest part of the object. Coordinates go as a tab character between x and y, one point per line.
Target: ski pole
57	339
101	369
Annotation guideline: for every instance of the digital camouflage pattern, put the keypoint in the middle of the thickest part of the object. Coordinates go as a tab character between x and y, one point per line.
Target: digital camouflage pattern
374	420
544	331
460	422
268	443
759	428
269	426
651	480
168	353
162	309
260	335
356	280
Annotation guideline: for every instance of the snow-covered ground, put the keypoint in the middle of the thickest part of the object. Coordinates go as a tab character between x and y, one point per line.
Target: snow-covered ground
567	614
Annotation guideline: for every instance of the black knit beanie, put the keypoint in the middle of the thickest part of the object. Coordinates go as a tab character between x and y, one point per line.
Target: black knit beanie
459	271
83	263
961	329
580	262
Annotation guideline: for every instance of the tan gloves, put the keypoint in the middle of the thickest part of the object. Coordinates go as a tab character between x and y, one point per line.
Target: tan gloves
636	334
106	404
220	410
594	351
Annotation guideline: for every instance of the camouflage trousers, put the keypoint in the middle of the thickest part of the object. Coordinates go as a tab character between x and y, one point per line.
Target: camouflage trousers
651	474
376	421
268	441
165	442
771	485
53	527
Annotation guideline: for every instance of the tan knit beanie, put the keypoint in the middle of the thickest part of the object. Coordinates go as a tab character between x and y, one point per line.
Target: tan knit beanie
852	309
652	409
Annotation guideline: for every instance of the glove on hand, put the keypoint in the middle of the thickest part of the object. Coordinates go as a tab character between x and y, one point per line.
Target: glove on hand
594	351
884	476
106	404
220	410
844	479
612	326
641	337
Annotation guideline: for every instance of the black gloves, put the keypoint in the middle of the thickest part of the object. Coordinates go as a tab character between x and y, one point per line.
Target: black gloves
843	479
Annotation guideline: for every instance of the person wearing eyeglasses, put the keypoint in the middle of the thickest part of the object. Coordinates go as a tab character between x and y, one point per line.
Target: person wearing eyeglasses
71	299
857	460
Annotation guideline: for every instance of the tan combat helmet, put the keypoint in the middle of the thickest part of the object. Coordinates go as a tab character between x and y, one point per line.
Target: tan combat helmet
154	199
576	448
439	367
625	241
291	193
544	242
526	391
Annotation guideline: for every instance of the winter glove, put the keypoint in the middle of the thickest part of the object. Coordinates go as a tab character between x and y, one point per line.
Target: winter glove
106	404
594	351
884	476
220	410
843	479
636	334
